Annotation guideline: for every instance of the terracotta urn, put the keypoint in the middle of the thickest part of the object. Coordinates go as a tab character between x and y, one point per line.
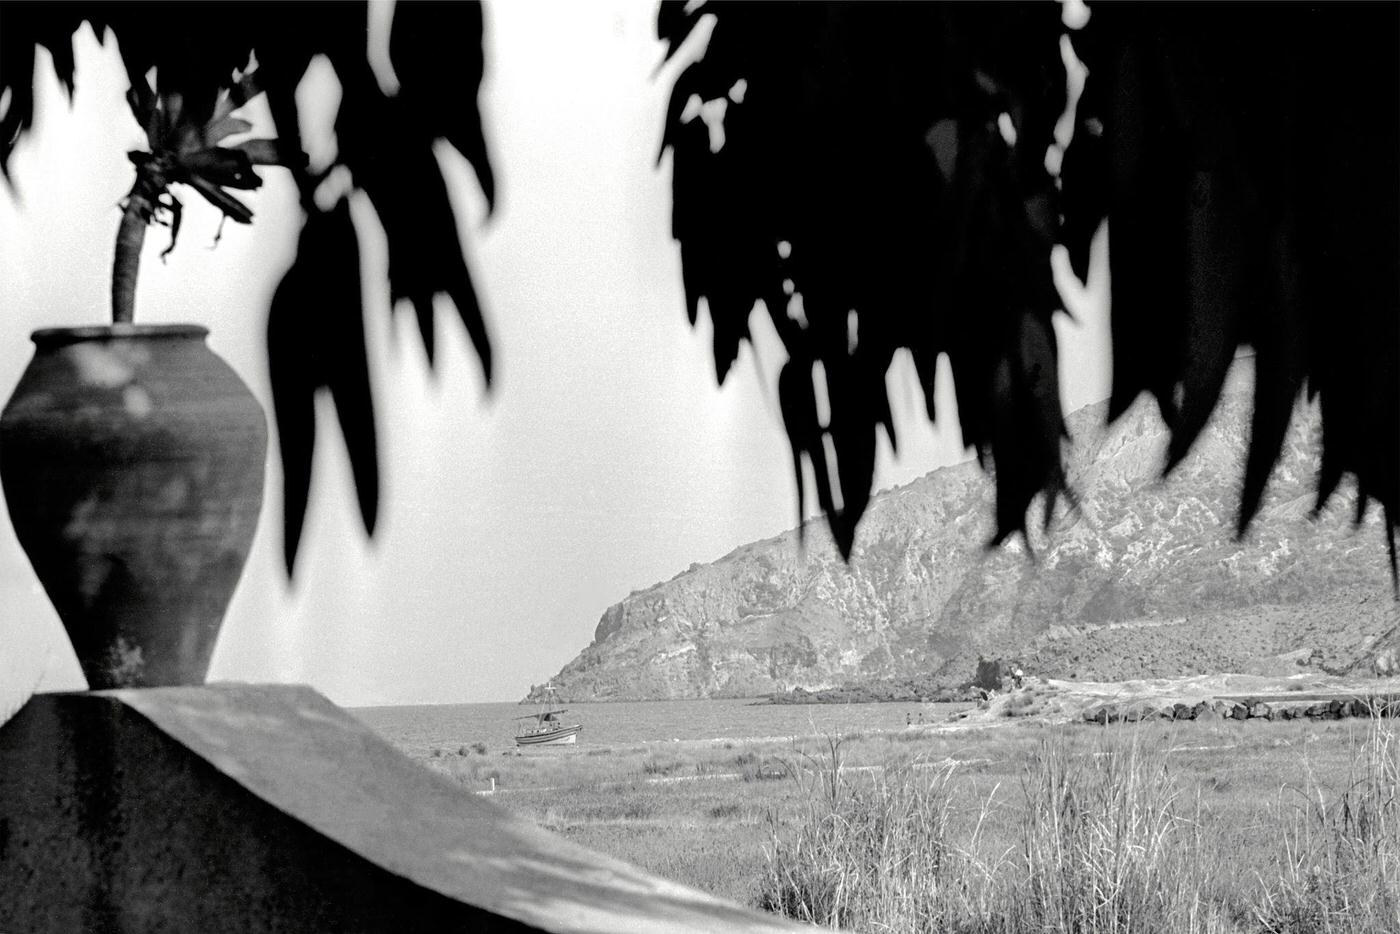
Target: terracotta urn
132	461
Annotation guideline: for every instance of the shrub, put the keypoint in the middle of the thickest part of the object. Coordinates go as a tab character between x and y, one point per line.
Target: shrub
623	809
754	769
658	766
725	811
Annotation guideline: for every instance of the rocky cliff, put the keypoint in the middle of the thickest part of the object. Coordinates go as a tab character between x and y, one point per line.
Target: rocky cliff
1145	578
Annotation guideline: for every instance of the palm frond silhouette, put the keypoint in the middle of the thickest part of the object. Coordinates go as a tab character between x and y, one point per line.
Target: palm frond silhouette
881	184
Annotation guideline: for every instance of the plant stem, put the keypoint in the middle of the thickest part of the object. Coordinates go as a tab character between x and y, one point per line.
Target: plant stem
131	234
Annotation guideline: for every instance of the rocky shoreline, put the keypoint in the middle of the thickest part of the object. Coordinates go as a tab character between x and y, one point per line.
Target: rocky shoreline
1205	697
1252	708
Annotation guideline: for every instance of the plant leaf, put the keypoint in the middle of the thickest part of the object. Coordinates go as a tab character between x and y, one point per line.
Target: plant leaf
233	208
272	152
438	55
316	340
225	127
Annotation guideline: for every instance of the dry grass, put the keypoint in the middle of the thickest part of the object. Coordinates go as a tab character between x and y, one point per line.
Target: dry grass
1231	827
1109	842
1103	834
1339	865
869	851
1103	844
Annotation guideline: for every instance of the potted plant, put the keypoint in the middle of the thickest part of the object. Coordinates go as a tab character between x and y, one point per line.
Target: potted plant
132	456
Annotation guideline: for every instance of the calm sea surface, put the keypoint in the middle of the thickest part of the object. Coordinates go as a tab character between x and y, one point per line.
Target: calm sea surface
416	730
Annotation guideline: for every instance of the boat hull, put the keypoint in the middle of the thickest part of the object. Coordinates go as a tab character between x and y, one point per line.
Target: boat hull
564	736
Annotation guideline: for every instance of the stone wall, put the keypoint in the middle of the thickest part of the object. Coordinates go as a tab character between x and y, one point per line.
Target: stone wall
242	808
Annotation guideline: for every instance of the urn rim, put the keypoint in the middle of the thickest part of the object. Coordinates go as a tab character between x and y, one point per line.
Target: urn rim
58	337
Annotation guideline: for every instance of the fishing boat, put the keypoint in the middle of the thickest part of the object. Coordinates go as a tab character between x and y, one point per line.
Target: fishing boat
549	728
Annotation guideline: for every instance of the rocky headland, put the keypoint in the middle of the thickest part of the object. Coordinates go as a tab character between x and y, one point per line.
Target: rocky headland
1145	579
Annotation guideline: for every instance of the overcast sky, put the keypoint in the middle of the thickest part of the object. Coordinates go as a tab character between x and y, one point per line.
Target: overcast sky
604	460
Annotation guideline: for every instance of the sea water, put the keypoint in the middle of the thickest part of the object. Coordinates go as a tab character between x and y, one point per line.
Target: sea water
417	730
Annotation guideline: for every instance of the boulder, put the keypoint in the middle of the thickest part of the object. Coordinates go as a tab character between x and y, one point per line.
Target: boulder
1097	714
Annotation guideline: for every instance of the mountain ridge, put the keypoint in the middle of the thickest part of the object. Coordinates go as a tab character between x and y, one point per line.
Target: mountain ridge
1142	578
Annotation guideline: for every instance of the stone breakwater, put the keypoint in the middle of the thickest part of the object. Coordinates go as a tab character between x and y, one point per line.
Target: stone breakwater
1200	697
1249	708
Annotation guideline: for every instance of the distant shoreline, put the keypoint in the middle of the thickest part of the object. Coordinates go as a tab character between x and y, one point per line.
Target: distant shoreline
877	693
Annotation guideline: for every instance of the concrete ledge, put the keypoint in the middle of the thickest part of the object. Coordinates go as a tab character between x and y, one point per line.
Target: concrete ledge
267	808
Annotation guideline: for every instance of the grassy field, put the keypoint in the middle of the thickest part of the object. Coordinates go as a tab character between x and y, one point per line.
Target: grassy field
1221	827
